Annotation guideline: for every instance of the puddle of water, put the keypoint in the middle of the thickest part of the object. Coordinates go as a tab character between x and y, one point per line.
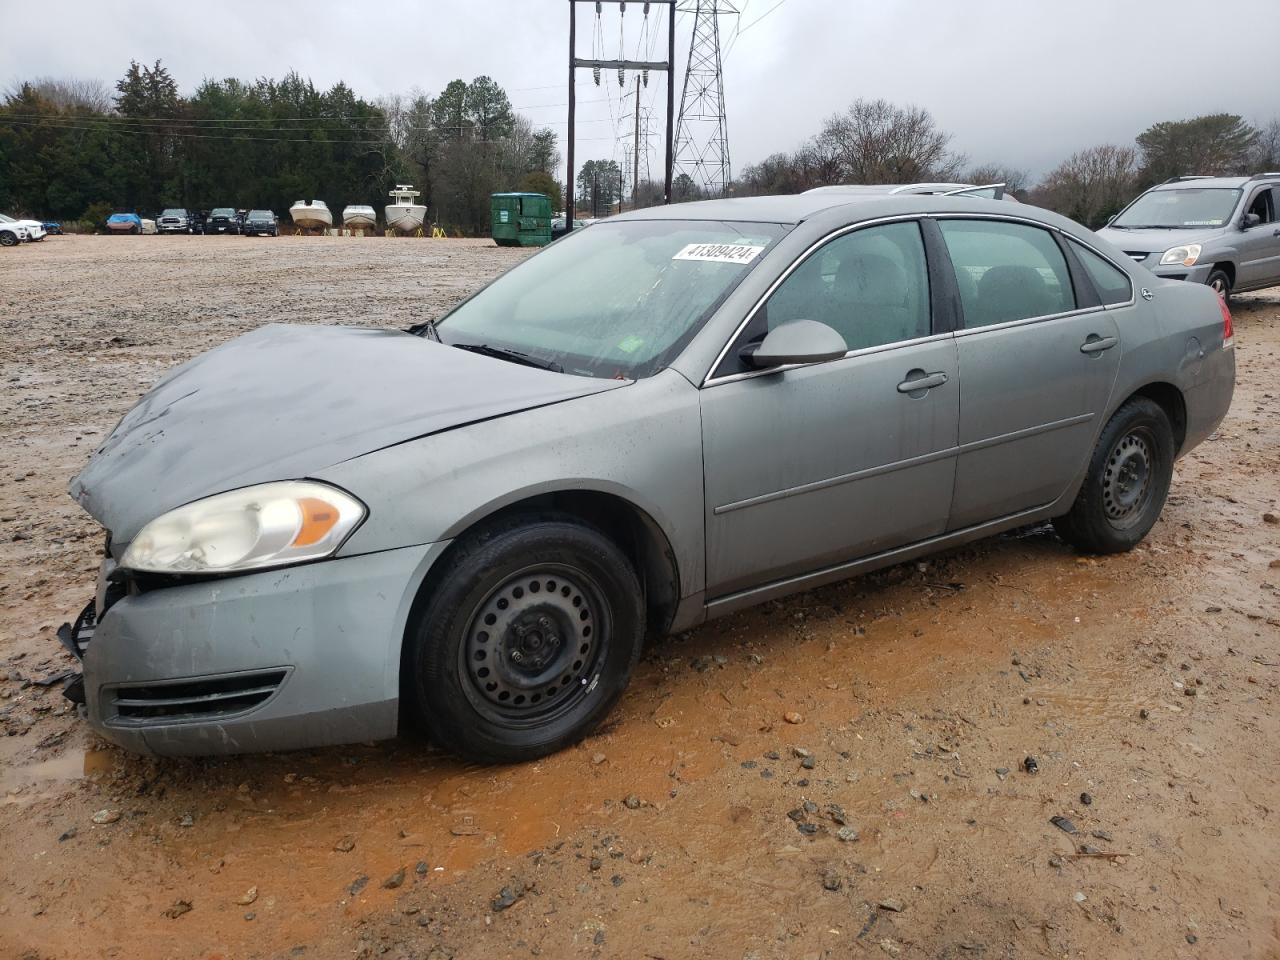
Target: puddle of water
45	778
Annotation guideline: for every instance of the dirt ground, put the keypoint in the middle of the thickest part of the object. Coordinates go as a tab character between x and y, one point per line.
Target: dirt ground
896	817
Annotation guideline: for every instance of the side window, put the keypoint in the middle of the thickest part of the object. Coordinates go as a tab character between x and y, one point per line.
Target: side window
1262	205
871	285
1112	283
1007	271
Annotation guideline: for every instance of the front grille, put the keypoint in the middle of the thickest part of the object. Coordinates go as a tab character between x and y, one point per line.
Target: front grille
213	698
1137	255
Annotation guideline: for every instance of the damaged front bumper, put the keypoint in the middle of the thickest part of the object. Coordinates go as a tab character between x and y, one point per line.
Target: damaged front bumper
281	659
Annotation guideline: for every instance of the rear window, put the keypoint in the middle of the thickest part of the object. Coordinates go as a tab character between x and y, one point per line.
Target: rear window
1007	271
1111	282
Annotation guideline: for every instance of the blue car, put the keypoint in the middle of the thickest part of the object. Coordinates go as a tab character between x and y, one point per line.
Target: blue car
53	227
124	223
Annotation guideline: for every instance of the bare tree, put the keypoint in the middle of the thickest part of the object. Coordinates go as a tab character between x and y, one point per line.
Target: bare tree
70	93
1265	154
1092	185
1014	180
876	141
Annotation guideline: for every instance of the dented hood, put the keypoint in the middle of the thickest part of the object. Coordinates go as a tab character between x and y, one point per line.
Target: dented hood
286	401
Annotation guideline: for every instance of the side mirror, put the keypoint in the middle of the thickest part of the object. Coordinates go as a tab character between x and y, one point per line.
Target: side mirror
1250	220
797	341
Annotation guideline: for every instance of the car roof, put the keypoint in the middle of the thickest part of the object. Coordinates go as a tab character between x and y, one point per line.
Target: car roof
794	208
1200	183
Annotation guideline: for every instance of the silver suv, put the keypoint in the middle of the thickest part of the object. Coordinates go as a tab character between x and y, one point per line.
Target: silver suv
1223	231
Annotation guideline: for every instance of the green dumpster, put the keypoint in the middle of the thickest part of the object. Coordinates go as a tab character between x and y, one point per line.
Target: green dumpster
521	219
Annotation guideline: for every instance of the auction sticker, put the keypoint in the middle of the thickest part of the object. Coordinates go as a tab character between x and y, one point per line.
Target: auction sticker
719	252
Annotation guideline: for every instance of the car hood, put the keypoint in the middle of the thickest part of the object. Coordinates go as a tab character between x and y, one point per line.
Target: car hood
1156	241
284	402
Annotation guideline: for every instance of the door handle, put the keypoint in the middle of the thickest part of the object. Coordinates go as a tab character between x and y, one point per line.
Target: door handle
919	382
1095	344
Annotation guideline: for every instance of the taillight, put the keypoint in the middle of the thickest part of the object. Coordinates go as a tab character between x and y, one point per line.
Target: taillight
1228	333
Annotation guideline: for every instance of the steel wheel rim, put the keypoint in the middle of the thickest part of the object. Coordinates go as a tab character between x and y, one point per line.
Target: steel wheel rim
533	645
1219	286
1127	480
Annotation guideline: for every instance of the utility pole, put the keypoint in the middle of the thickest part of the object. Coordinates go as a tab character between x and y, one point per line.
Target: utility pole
635	160
667	66
702	137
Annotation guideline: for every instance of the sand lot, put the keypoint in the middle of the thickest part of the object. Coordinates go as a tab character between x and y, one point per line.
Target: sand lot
896	818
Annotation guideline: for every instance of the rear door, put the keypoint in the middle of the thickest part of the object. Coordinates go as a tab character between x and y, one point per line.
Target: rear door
1038	354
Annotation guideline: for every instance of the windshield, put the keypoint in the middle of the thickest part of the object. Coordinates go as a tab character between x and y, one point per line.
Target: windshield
618	300
223	212
259	214
120	216
1181	208
4	219
174	213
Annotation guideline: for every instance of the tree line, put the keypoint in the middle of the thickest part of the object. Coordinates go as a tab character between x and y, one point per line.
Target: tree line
875	141
78	150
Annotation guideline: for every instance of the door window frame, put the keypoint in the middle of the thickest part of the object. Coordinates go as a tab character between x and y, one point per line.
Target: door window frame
1086	295
933	271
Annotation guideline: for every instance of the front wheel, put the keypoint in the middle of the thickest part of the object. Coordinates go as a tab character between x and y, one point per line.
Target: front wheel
8	239
527	642
1127	483
1220	283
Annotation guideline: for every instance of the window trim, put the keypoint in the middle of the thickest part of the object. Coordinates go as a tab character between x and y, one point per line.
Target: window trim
963	331
711	379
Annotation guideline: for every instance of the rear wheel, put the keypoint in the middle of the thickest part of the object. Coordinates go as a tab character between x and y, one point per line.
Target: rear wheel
527	642
135	230
1220	282
1127	483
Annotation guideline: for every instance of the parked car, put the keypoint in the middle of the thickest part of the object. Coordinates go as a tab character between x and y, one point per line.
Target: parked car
34	228
559	227
261	223
675	414
986	191
125	223
53	227
1223	231
12	233
175	220
222	220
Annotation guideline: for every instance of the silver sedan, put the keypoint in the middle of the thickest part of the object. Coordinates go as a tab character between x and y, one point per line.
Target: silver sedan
316	532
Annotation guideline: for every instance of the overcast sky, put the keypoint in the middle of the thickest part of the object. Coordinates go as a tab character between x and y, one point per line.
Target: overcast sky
1017	82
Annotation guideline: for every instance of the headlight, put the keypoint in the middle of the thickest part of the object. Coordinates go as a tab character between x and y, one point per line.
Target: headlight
1185	255
268	525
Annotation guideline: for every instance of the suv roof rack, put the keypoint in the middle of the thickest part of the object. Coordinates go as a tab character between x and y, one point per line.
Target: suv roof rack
1264	176
1196	176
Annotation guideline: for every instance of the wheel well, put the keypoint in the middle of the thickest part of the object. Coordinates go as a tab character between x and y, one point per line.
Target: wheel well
1229	269
633	531
1175	407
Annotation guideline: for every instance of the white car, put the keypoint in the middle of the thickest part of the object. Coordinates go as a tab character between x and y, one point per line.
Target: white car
12	234
34	228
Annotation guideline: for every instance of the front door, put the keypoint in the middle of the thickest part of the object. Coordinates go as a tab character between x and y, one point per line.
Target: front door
1036	368
1259	264
808	467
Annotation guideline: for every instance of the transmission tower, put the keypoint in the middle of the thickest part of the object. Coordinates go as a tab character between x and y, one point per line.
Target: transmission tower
702	132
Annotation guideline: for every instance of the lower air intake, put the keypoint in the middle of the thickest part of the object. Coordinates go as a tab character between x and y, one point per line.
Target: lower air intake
205	699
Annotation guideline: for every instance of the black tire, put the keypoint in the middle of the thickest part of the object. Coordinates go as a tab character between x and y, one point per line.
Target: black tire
1127	483
135	230
1220	283
8	239
526	643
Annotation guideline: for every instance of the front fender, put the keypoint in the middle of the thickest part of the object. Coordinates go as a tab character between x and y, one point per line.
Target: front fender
642	444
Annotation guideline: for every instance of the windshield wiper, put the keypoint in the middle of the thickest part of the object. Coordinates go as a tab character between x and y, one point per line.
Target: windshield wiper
1151	226
513	356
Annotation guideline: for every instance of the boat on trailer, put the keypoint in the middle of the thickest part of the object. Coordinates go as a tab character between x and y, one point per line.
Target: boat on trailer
311	215
403	214
357	216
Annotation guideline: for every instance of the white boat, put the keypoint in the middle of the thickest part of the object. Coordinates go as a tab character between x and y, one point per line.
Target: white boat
403	215
359	217
311	214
